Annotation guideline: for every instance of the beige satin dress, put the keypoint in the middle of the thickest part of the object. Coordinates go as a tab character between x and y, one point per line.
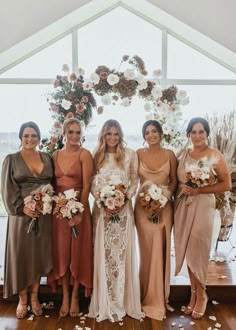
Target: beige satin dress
154	244
193	225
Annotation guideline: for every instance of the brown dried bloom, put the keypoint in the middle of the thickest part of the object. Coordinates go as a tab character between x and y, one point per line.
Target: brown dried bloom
125	88
169	94
147	91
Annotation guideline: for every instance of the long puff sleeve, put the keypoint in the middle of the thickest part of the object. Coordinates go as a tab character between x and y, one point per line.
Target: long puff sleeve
98	183
133	175
11	193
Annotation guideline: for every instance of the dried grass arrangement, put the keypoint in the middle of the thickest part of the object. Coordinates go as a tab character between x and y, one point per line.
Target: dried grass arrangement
223	137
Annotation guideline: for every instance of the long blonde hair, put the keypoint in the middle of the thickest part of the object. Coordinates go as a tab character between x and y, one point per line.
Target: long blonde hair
100	152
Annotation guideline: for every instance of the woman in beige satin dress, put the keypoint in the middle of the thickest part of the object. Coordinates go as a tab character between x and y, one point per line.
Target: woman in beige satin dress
194	214
158	165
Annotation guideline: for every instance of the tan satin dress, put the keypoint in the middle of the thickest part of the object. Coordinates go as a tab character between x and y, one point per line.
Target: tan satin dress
154	243
193	225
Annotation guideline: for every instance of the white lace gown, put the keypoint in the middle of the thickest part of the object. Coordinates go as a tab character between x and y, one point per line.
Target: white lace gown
116	290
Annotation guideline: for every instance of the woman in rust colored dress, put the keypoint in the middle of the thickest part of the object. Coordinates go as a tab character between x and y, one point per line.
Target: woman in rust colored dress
156	165
72	256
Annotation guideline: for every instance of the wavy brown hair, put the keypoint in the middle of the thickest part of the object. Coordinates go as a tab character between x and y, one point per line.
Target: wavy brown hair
100	152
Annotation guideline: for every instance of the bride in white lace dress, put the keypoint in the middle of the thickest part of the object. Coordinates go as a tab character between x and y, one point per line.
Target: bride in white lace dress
116	284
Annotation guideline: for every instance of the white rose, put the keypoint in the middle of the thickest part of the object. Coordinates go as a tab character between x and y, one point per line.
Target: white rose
94	78
129	74
66	104
156	92
87	85
112	79
70	193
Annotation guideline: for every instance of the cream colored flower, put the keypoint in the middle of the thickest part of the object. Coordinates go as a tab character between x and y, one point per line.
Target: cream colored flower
112	79
66	104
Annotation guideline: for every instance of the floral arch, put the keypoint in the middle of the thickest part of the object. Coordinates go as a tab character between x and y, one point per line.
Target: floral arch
73	96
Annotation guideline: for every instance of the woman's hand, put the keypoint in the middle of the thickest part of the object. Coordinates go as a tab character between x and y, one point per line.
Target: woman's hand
116	211
31	213
190	191
75	220
158	212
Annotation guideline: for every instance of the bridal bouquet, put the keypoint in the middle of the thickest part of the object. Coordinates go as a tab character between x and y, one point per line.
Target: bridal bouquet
67	206
40	200
153	197
112	196
200	174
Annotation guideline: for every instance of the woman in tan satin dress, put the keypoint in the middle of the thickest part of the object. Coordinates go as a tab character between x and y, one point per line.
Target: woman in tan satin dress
194	214
158	165
25	258
72	256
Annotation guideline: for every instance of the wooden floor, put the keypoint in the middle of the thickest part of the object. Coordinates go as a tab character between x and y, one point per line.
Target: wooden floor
225	314
221	287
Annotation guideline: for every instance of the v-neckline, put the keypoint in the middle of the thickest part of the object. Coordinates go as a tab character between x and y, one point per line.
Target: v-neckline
154	170
65	173
27	166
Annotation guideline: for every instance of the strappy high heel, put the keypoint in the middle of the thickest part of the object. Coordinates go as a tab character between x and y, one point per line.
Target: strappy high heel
188	309
35	304
199	315
21	310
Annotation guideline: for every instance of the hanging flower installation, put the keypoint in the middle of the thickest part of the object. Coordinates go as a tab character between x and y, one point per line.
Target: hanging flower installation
73	97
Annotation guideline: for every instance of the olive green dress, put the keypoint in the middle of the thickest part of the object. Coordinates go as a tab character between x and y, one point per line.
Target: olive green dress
27	256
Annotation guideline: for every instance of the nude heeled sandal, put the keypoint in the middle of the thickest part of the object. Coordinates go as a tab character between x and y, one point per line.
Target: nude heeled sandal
188	309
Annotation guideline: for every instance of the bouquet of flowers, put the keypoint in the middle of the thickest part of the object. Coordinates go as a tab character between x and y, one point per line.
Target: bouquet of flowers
40	200
112	196
153	197
200	174
67	206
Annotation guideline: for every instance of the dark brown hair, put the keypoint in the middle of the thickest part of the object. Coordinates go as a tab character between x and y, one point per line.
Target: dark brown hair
29	124
154	123
198	120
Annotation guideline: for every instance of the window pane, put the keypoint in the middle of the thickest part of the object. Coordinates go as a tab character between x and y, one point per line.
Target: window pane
27	102
46	63
187	63
105	40
209	99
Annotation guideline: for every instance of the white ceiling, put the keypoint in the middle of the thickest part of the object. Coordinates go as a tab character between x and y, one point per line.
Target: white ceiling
26	19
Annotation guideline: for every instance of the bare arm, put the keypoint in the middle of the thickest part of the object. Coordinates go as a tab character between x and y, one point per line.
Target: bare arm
88	171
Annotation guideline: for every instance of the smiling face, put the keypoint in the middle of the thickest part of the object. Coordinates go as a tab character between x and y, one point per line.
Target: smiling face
198	135
73	134
152	135
112	139
29	139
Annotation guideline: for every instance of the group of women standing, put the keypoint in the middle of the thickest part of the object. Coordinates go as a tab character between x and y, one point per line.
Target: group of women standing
105	262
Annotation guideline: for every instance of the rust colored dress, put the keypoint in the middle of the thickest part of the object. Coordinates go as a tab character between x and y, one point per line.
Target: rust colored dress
154	245
70	253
